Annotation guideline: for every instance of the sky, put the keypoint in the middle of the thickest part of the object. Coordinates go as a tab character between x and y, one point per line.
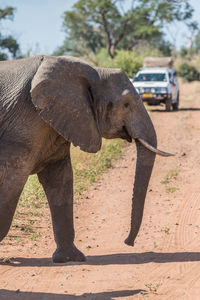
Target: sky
37	24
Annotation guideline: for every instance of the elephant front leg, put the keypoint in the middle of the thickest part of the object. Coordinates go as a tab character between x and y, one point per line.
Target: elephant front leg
57	180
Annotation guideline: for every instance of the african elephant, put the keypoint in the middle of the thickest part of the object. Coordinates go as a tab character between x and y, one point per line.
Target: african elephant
47	103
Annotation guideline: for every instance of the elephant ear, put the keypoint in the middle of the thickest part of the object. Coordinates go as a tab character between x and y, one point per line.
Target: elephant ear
61	93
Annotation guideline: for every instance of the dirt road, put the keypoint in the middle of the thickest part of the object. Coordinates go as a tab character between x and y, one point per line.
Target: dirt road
165	261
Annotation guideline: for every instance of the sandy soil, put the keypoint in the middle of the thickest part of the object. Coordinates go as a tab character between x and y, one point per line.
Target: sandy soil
165	261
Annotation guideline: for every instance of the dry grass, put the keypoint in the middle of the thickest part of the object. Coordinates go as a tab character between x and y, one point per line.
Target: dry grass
87	169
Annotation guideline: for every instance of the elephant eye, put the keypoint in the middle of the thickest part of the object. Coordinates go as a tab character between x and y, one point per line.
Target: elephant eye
110	105
126	104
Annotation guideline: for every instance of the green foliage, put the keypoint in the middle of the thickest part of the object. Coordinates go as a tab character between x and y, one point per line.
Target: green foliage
183	52
79	25
166	230
129	61
7	13
152	288
8	45
168	179
107	24
32	193
196	44
172	175
172	189
188	72
35	236
196	62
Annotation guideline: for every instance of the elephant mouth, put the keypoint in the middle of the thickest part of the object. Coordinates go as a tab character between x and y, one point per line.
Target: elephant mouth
125	135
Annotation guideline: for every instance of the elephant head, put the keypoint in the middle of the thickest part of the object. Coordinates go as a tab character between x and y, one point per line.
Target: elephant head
84	104
121	114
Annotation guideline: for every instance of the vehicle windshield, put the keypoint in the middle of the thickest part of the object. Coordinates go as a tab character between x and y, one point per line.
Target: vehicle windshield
151	77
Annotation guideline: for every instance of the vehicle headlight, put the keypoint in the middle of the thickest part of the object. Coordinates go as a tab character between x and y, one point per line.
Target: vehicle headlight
163	90
141	90
153	90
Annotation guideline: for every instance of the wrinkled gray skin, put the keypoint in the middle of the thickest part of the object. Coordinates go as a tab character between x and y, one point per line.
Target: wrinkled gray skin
45	104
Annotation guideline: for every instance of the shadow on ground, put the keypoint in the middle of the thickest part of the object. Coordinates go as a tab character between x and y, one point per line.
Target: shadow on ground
15	295
111	259
162	110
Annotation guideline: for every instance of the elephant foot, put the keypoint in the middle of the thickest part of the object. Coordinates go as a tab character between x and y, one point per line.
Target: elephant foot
129	241
69	254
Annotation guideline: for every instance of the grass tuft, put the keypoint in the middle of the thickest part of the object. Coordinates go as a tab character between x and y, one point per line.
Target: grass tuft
172	175
172	189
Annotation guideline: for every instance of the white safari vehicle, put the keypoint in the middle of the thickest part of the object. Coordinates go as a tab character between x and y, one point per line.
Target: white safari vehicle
158	84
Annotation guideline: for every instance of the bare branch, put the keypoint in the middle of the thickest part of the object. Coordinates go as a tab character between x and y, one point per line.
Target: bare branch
122	33
108	34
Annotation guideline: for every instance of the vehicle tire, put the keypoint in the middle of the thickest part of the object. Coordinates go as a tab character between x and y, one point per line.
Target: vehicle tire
168	104
175	105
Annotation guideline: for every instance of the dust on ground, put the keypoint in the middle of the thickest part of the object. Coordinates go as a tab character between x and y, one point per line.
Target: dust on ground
165	261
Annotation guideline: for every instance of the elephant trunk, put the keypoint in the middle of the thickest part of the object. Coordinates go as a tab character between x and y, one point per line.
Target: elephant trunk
144	166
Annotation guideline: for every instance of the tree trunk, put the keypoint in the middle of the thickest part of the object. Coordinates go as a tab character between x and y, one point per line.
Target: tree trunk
111	50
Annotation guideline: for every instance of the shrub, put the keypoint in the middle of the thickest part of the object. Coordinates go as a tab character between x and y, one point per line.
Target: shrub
188	72
183	52
129	61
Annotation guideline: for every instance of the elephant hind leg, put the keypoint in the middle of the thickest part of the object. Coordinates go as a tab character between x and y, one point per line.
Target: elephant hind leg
6	216
11	185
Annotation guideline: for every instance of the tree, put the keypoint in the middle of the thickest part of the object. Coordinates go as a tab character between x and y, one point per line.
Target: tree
8	45
183	52
93	24
197	42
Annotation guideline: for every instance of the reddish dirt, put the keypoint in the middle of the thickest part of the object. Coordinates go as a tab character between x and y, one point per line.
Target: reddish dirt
165	261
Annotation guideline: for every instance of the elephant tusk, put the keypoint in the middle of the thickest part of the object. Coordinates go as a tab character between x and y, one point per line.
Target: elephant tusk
151	148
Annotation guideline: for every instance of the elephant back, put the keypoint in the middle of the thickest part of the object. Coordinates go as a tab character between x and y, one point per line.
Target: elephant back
15	79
